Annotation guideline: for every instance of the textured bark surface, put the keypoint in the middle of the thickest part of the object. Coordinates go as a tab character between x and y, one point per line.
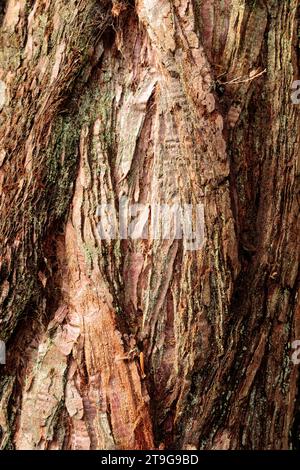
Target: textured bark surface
104	99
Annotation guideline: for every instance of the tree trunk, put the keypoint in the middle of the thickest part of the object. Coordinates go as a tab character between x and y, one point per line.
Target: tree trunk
139	343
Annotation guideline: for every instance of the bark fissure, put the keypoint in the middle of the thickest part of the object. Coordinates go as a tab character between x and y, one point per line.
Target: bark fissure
136	343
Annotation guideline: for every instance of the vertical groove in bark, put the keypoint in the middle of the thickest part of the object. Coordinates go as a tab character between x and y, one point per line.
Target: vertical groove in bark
106	100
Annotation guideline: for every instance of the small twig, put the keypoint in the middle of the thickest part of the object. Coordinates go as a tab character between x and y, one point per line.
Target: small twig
232	81
249	79
219	76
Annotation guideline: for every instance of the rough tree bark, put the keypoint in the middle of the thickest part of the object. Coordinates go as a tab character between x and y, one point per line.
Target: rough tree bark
108	98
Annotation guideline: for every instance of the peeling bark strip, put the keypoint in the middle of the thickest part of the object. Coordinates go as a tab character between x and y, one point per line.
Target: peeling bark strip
138	343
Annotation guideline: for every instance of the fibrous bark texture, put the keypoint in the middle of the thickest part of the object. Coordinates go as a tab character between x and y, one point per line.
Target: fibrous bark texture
143	343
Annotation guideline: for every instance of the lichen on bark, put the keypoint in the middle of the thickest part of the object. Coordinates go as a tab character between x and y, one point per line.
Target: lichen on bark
113	99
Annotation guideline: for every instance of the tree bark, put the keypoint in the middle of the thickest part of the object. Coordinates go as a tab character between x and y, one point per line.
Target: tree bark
145	343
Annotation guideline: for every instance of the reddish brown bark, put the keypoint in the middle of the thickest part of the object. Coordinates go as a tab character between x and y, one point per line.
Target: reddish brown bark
136	344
